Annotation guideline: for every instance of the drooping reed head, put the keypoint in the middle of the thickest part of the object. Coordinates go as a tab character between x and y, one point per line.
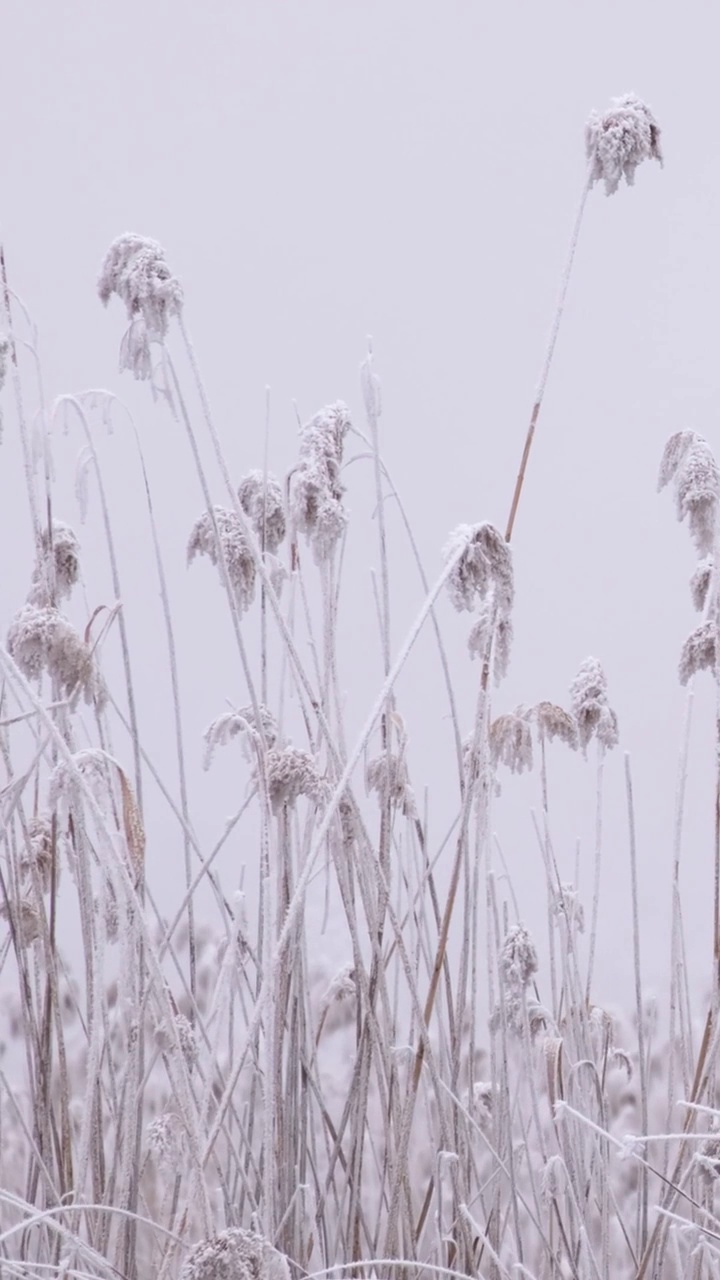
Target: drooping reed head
617	141
593	714
261	498
135	269
57	565
41	639
224	525
316	491
688	462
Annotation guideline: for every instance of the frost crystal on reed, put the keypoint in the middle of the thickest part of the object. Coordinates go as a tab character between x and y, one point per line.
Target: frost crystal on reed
620	139
315	489
592	711
292	773
263	505
699	652
235	1254
43	640
689	462
511	741
238	556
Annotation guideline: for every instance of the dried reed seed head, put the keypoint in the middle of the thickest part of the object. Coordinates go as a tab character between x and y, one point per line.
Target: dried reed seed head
135	269
37	855
316	490
235	1254
553	722
41	639
518	958
26	921
55	570
699	652
689	461
136	350
518	963
593	713
292	773
261	498
235	547
166	1140
231	723
620	139
700	583
511	741
482	560
388	776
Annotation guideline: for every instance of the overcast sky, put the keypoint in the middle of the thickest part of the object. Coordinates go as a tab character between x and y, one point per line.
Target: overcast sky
322	171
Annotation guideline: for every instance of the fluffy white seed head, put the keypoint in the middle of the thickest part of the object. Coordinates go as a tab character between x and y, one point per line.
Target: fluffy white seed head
620	139
511	741
292	773
388	776
25	920
593	713
264	506
56	571
316	491
553	722
238	556
689	462
135	269
41	639
699	652
231	723
482	559
37	854
235	1254
518	963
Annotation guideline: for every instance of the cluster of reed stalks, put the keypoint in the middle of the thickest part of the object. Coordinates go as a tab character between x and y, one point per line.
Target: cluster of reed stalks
197	1095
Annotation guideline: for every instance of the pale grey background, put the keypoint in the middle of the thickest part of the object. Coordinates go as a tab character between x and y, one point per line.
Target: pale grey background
321	171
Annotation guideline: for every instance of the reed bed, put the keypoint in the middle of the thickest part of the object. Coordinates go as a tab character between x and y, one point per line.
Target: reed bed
198	1095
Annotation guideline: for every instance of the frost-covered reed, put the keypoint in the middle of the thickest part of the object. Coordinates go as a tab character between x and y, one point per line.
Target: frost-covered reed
205	1096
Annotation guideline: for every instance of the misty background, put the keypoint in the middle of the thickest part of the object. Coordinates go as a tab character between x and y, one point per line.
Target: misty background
321	172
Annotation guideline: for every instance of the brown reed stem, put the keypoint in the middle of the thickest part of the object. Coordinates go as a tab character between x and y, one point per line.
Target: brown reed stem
549	352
